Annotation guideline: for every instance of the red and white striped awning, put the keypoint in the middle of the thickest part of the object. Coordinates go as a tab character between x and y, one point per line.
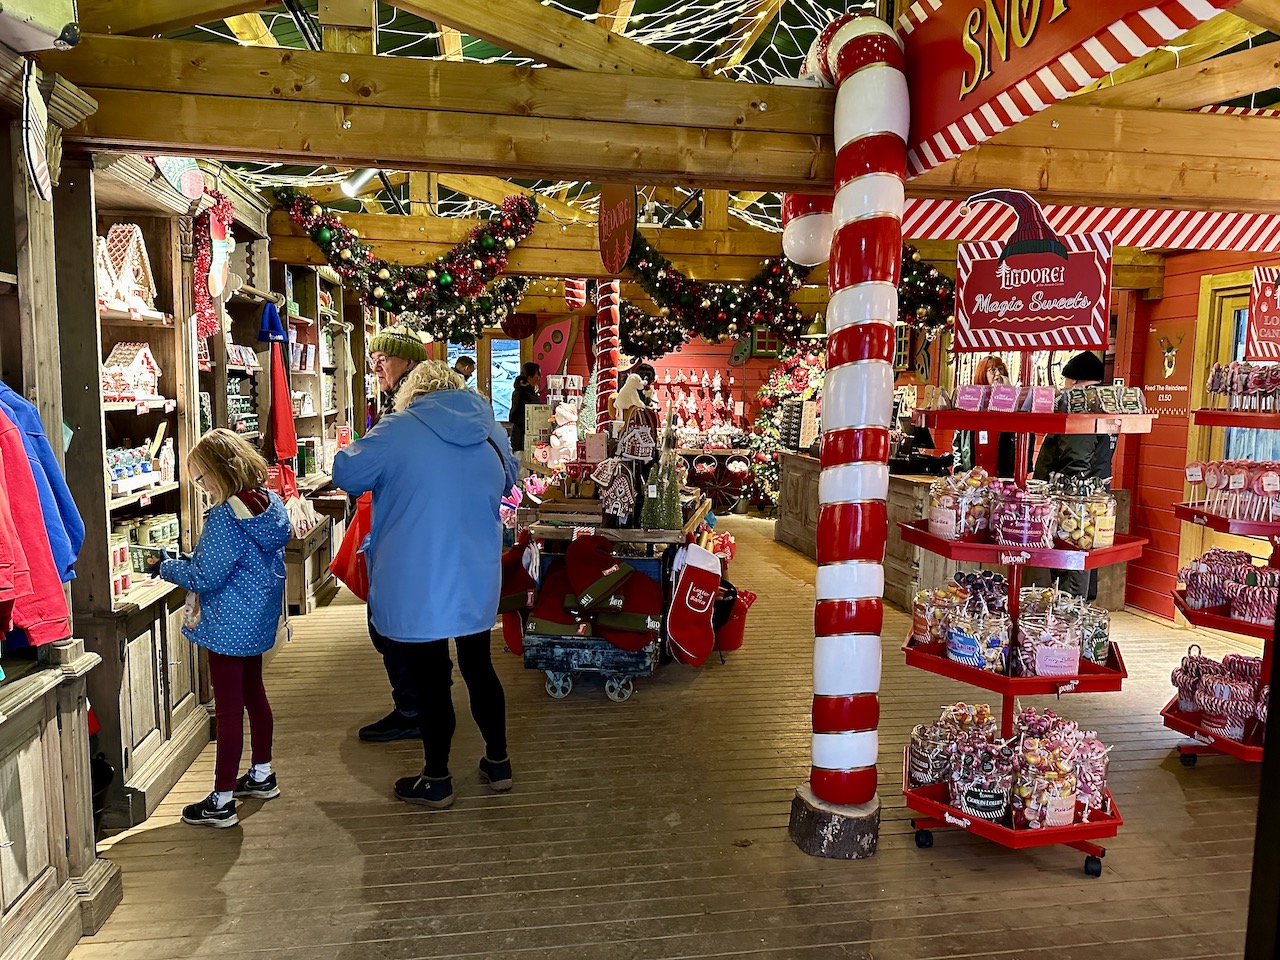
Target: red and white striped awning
1148	229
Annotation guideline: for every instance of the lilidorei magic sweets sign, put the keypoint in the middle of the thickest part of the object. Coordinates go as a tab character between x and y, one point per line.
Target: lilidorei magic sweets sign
1034	291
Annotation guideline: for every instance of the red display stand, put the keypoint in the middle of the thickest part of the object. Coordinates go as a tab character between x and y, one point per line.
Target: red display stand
933	803
1216	618
1040	423
1093	678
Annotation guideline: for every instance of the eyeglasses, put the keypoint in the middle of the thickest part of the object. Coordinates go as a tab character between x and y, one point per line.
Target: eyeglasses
380	361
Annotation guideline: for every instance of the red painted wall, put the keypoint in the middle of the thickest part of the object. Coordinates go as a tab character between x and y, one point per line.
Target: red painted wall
1152	467
698	356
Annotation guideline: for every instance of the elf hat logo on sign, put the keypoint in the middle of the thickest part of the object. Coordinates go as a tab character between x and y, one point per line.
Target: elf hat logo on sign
1035	291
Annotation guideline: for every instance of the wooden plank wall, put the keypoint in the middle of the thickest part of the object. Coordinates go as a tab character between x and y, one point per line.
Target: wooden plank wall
1155	463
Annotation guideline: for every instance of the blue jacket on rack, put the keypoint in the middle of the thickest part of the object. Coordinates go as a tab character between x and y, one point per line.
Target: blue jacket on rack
62	519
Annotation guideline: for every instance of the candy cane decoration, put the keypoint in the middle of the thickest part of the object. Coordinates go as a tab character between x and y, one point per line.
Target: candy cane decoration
862	57
575	294
608	294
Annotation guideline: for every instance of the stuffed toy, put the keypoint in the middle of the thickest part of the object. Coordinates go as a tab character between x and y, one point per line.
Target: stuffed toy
564	439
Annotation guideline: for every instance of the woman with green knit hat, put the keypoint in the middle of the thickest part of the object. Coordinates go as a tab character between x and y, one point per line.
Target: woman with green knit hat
395	352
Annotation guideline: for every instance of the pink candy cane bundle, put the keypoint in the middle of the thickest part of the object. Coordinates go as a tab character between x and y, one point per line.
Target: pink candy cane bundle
1226	706
1241	667
1264	696
1252	604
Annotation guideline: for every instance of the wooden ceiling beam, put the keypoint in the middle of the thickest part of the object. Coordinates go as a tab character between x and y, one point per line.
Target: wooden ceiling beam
151	17
613	15
250	28
527	28
450	43
303	76
349	26
494	190
1209	39
1196	85
744	34
1261	13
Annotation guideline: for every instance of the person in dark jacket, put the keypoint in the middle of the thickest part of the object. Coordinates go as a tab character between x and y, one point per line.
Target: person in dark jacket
396	352
523	392
1077	455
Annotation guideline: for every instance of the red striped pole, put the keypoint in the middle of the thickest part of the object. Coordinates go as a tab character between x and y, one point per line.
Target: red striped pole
863	58
608	293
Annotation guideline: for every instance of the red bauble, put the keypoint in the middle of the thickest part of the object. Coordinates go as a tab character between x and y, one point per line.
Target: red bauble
722	316
761	456
519	325
492	262
506	223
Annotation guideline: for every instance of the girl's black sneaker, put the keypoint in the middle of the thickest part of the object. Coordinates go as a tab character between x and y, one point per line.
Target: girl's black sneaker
436	794
248	788
207	813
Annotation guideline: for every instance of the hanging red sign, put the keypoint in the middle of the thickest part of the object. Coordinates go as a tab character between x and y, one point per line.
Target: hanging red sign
977	67
1262	342
1039	301
1036	290
616	225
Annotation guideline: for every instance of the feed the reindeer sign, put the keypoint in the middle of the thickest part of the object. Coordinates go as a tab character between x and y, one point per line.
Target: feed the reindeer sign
1262	342
1036	290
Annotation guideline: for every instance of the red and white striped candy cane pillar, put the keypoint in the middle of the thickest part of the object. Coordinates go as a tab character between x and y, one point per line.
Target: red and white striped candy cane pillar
608	294
837	813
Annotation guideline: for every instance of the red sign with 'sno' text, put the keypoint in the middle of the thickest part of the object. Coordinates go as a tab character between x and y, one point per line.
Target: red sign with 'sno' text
977	67
1034	301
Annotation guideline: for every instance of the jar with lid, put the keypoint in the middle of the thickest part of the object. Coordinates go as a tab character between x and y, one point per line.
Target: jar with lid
1021	519
1087	521
944	513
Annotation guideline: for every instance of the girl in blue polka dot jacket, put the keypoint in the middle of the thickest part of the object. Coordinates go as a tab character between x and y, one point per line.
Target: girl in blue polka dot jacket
238	572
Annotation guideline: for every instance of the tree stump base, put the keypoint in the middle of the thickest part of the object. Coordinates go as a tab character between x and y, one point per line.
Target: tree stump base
823	829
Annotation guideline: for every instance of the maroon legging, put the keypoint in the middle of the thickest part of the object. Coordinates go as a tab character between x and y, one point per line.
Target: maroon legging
237	686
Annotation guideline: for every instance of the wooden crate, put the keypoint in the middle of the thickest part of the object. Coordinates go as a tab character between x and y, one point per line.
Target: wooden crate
309	582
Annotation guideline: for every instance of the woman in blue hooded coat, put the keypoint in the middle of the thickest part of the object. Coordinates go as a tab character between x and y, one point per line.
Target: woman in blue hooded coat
438	468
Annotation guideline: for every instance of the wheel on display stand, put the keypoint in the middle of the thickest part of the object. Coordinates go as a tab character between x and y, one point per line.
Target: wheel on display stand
619	689
924	839
559	685
1188	759
1093	866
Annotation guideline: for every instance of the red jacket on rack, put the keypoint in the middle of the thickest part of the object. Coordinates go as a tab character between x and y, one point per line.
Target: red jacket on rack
42	613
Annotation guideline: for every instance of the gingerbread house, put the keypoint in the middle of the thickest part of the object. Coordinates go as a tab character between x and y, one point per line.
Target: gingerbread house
130	372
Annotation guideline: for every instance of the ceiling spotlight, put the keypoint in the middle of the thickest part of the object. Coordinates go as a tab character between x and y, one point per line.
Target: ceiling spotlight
359	179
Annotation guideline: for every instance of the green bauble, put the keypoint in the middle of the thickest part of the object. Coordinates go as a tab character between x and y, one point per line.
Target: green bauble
387	305
487	242
446	280
324	235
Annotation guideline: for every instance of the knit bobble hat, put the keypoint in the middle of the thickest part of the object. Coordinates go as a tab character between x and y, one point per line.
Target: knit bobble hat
1084	367
399	342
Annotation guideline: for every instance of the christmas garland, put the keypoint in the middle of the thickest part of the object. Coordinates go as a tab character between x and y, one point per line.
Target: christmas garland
716	311
466	323
206	314
926	296
689	308
798	376
435	290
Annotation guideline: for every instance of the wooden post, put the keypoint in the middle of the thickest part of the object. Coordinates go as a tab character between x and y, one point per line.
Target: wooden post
38	300
349	26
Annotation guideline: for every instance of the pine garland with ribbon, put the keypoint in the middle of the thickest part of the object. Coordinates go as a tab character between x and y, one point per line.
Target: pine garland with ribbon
466	323
434	291
713	311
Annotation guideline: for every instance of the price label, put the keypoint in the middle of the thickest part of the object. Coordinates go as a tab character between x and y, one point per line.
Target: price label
170	406
144	500
1195	473
583	532
141	408
737	407
983	437
1271	482
1236	481
134	314
653	491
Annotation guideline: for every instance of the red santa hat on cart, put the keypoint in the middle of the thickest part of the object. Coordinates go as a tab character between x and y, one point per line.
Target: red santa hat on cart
1033	233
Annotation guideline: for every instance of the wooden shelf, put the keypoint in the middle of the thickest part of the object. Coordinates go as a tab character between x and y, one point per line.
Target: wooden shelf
1239	528
1126	548
125	319
132	498
313	482
8	281
1041	423
1189	724
237	368
1217	618
331	413
303	373
302	321
143	596
117	406
1092	678
1255	419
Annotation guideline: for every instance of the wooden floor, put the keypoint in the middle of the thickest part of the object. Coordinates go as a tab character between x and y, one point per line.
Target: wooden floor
658	828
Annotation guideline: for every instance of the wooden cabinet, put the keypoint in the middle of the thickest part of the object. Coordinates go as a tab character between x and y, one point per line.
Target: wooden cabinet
798	503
